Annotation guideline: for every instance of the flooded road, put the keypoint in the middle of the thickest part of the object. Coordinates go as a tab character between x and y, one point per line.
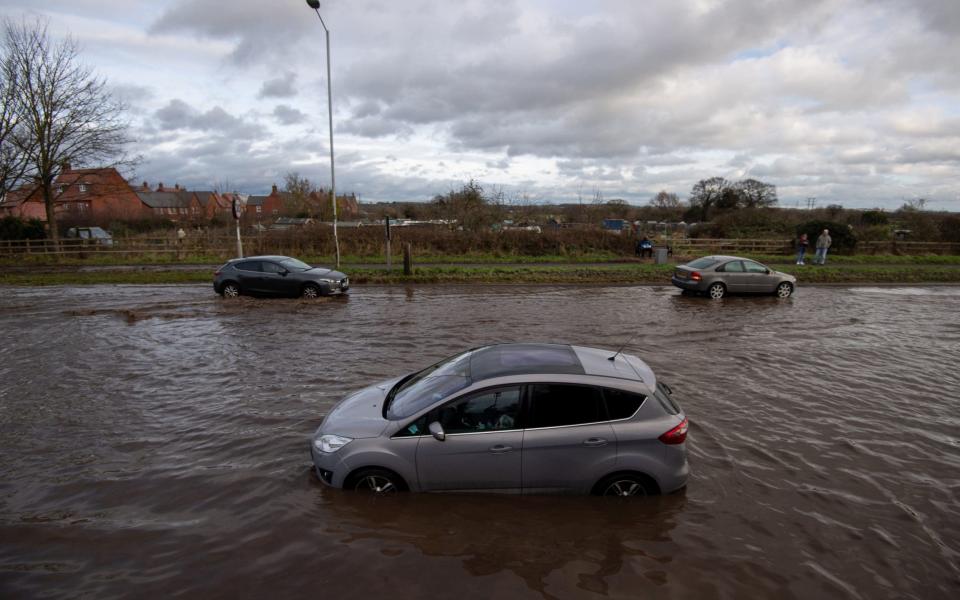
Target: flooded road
154	442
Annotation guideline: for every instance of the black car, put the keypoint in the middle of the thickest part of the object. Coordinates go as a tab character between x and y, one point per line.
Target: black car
277	275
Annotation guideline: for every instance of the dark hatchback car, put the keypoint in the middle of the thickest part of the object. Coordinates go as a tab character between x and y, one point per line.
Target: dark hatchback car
277	276
715	276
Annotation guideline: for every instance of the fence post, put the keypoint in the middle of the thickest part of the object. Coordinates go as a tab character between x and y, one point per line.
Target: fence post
407	260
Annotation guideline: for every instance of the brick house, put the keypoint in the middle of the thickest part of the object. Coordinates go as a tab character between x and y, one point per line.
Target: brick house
100	194
175	204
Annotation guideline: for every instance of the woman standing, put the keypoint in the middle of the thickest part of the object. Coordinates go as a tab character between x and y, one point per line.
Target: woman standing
801	248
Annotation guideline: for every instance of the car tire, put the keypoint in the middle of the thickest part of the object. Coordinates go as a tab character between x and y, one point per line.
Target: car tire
311	290
784	289
230	290
378	482
717	290
624	485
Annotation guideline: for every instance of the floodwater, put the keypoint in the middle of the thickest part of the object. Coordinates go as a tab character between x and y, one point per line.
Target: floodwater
154	442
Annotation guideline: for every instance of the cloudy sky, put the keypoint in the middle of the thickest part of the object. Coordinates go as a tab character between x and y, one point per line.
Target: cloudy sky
853	102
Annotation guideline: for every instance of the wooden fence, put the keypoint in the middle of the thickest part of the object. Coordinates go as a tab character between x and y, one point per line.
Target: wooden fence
224	247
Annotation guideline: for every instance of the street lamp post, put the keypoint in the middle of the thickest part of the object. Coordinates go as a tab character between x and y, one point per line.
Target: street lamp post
315	5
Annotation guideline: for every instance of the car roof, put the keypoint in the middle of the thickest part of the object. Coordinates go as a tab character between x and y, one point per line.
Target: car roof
264	257
503	360
725	257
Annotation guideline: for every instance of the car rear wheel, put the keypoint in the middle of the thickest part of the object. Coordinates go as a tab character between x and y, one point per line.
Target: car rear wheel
716	290
230	290
623	486
311	291
378	482
784	289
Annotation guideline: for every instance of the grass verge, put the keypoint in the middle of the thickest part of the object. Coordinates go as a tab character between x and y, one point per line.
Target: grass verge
560	274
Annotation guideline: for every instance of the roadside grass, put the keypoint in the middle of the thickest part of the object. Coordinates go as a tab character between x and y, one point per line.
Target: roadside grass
630	273
351	260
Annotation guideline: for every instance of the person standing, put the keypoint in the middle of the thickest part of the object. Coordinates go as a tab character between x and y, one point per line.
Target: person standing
823	244
802	244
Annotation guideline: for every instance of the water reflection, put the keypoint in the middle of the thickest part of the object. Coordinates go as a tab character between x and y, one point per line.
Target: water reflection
592	539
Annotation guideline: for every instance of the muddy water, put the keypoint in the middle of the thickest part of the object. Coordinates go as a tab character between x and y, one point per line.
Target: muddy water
154	443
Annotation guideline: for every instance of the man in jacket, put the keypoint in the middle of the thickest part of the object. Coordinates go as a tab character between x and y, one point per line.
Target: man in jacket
823	244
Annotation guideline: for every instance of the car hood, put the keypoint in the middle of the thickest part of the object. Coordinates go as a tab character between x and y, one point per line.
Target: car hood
326	273
359	415
786	276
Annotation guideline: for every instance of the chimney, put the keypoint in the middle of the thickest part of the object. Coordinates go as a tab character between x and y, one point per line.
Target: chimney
274	189
66	166
176	187
160	187
146	187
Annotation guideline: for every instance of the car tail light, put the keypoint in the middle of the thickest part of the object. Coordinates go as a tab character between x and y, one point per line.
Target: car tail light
677	435
695	276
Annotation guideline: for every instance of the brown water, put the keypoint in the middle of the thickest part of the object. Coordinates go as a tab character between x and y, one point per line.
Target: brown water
154	442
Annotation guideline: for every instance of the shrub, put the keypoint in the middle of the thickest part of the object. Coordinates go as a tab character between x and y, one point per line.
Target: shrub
844	240
16	228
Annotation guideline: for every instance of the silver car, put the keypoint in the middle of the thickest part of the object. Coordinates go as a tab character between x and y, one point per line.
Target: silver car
718	275
530	418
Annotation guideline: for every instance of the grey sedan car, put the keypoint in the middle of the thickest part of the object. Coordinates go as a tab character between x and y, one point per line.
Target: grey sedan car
718	275
515	418
277	276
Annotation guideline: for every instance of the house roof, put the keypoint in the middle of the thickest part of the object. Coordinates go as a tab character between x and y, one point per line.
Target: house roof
178	199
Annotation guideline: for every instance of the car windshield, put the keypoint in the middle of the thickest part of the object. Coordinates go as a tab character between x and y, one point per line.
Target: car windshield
420	390
292	264
702	263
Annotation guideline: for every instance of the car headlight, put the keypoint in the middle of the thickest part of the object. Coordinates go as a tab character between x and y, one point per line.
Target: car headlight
330	443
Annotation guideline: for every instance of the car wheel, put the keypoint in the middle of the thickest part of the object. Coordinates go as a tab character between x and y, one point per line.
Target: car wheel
623	486
784	289
311	291
230	290
378	482
716	290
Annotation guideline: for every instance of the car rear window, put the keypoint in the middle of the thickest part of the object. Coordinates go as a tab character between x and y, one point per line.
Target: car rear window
662	395
249	265
622	404
703	263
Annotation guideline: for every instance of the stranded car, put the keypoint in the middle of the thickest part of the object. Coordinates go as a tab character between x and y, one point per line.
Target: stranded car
277	275
718	275
530	418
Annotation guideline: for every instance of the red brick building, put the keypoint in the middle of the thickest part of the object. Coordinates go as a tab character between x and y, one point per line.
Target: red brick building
79	194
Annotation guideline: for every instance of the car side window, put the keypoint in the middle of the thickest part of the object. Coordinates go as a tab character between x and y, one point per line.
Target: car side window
269	267
734	266
418	427
553	405
491	410
753	267
249	265
622	404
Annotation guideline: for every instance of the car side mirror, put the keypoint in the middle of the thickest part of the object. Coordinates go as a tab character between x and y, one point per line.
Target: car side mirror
769	272
284	273
436	430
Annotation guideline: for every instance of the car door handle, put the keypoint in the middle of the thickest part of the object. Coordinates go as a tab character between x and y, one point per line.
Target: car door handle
595	442
500	449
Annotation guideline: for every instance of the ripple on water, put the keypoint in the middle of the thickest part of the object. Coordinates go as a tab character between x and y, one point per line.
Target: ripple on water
156	437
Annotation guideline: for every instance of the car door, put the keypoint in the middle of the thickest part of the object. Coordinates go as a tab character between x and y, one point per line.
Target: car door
759	278
733	275
276	279
568	445
249	275
481	449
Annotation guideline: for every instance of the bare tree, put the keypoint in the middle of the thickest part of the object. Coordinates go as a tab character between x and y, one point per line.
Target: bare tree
756	194
665	199
65	113
706	194
300	189
12	162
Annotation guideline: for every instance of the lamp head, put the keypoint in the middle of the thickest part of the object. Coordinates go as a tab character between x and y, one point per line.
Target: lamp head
314	4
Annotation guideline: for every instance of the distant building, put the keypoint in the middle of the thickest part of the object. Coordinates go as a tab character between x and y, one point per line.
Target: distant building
80	194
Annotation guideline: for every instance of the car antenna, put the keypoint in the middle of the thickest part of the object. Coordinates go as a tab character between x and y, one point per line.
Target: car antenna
614	357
